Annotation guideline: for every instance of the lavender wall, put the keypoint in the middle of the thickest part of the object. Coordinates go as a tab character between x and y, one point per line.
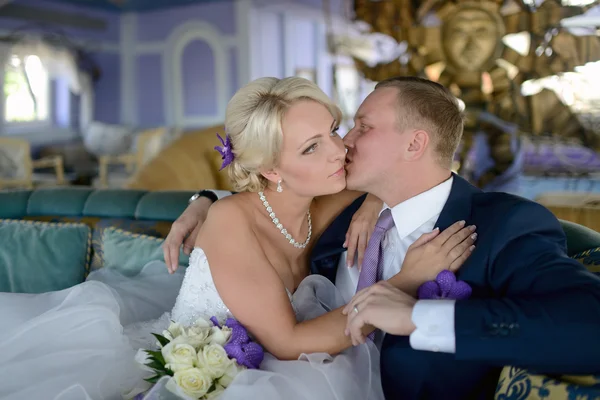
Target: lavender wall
150	89
200	90
180	66
158	25
195	45
107	102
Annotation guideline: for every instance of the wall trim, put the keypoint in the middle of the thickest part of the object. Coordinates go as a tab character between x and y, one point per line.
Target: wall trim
127	80
289	50
172	72
157	47
244	15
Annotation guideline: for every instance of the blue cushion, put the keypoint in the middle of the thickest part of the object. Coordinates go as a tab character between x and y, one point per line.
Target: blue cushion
37	257
128	252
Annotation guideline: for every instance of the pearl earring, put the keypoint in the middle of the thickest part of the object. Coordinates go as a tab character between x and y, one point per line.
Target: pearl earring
279	189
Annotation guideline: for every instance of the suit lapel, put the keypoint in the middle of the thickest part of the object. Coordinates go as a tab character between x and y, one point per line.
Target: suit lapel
458	205
328	249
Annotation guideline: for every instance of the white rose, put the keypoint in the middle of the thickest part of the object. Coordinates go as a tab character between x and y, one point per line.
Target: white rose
179	356
194	382
195	337
214	360
202	323
174	330
230	373
215	394
220	336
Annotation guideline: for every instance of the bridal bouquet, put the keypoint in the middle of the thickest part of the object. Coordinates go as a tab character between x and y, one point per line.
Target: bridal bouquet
203	359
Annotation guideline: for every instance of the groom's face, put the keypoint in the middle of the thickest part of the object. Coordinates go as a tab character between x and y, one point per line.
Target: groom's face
375	142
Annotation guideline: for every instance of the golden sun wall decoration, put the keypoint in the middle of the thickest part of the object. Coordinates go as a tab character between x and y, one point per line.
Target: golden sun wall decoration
462	45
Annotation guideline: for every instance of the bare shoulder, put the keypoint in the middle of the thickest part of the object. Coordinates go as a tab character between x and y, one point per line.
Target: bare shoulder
227	219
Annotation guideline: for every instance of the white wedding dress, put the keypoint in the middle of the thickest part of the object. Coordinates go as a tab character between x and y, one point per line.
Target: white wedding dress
80	343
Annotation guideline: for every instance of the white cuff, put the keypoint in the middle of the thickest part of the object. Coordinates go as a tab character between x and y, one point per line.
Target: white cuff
434	320
221	193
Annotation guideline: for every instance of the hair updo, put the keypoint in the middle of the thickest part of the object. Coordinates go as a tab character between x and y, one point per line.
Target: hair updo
253	121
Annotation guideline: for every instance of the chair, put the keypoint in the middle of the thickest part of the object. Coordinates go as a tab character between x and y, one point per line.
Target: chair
149	144
17	167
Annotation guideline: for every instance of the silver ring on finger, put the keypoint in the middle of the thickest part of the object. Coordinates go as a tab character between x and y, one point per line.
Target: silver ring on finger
355	309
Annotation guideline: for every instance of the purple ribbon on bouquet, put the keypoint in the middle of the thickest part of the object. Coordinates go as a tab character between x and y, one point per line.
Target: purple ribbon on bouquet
445	286
247	353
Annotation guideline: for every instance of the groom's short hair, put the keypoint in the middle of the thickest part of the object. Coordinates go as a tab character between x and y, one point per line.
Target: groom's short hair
424	104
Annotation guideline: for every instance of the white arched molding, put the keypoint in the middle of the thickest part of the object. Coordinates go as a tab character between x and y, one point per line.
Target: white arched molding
173	78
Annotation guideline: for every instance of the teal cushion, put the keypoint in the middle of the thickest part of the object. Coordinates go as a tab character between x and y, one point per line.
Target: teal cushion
159	229
128	252
37	257
579	238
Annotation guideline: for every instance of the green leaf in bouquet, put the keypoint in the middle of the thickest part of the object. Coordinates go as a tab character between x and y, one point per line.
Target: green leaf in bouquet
156	366
156	355
153	379
169	372
161	339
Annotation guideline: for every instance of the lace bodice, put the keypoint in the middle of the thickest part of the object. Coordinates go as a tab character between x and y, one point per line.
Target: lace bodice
198	296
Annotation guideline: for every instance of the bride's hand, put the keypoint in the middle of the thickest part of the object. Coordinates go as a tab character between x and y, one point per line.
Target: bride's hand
434	252
361	228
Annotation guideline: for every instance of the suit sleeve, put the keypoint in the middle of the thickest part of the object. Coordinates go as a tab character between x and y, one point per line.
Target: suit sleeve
545	312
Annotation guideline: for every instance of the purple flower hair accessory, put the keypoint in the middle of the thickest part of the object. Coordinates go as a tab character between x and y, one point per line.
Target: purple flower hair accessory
226	151
445	286
246	353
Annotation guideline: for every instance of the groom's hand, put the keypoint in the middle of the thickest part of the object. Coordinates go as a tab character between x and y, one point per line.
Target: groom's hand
184	232
382	306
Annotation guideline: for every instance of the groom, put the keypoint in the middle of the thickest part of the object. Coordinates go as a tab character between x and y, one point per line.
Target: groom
531	305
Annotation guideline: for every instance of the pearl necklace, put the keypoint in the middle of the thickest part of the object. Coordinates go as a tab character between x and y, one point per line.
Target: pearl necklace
279	226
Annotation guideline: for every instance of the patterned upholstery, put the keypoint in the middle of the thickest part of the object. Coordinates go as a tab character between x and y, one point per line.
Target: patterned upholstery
591	259
518	384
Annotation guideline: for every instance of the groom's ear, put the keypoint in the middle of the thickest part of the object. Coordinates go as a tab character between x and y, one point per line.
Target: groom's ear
417	145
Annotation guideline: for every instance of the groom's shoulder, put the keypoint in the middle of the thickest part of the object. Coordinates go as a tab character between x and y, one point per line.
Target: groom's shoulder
508	207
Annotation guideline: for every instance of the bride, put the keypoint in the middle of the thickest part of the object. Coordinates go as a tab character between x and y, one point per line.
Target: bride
287	158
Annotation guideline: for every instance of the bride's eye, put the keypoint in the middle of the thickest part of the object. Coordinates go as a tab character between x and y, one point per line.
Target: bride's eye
311	149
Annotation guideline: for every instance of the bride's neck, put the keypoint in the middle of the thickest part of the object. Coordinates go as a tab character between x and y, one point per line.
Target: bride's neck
291	211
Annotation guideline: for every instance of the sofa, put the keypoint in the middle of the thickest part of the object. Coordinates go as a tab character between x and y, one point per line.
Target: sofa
82	229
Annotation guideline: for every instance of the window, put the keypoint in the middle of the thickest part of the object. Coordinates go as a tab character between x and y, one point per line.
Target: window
26	90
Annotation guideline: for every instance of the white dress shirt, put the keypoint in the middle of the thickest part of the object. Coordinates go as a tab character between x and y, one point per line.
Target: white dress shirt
434	319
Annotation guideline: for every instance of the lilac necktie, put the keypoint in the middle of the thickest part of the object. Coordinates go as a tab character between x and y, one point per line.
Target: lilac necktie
373	261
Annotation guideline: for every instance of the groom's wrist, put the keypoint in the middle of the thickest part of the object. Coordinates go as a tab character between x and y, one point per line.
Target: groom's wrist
434	321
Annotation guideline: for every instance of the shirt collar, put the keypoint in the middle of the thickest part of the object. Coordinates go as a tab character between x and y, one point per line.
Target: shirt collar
411	214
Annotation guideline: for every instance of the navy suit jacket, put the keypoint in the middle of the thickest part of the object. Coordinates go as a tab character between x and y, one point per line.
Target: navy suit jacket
531	307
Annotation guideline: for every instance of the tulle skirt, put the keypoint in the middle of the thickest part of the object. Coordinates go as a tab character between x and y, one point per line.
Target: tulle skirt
80	343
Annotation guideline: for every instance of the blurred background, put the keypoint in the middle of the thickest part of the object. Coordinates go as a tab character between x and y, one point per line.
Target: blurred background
131	93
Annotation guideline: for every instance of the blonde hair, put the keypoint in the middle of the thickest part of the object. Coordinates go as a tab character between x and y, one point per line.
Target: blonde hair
253	120
434	107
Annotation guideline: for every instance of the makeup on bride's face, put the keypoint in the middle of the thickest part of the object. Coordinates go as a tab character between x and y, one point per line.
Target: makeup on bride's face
312	156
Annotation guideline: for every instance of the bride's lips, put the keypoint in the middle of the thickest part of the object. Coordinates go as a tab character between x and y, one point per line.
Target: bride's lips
339	172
